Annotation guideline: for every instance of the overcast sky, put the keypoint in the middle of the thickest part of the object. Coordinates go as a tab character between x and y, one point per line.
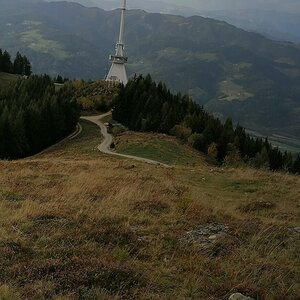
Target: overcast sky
288	5
281	5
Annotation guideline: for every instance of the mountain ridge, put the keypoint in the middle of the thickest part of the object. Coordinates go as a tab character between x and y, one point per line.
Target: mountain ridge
273	21
230	71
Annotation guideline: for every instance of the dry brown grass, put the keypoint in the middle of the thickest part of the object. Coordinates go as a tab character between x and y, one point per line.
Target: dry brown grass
109	228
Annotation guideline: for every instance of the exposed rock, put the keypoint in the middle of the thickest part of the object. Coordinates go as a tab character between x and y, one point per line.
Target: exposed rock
212	239
205	232
239	296
297	230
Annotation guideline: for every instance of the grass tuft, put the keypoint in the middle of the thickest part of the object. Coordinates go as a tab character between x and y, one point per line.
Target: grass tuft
8	293
256	206
13	197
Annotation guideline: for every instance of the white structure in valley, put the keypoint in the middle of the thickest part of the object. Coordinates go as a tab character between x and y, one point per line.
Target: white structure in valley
117	72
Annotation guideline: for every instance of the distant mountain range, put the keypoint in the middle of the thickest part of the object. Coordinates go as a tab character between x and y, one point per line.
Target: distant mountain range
230	71
274	24
279	20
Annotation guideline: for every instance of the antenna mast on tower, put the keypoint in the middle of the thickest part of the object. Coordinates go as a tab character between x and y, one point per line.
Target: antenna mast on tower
117	72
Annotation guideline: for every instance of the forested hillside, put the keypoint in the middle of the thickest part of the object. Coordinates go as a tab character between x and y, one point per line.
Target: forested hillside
231	72
21	65
33	116
144	105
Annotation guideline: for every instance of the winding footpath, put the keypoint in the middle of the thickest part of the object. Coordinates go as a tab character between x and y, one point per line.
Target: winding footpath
104	147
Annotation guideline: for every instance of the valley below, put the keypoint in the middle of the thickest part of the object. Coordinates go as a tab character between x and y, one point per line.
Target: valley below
284	143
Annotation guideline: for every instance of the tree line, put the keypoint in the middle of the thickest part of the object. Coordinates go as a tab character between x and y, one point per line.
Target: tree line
60	80
146	106
21	64
33	116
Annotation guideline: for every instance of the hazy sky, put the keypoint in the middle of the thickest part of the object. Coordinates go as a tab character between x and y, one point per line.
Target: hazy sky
281	5
288	5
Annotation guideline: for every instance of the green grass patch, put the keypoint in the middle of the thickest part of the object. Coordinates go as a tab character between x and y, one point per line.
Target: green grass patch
231	91
84	144
9	196
108	119
37	42
8	293
166	150
58	86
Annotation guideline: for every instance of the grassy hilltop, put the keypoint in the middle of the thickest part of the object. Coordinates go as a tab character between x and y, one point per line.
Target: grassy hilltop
6	79
77	224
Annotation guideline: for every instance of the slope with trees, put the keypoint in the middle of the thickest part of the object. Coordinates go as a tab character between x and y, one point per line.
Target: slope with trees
33	116
96	96
144	105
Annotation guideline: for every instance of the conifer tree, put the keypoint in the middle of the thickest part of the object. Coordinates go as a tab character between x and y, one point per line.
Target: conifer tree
1	60
27	66
296	166
18	65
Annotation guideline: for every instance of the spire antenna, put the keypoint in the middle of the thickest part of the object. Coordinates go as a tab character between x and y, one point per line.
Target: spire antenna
122	24
117	72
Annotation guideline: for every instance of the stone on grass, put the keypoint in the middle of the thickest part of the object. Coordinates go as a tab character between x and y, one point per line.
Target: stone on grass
297	230
239	296
212	239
